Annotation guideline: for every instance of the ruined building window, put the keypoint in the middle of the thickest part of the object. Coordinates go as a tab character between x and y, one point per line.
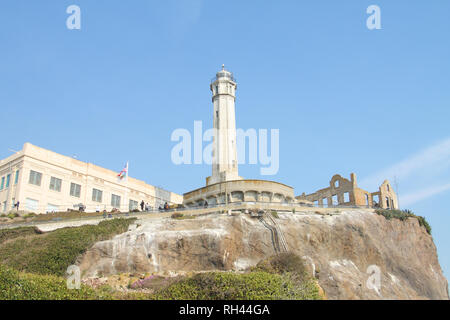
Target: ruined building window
376	199
334	199
367	199
387	202
324	202
388	189
336	184
346	197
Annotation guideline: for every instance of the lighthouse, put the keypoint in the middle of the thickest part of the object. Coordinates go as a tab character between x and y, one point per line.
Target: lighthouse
224	155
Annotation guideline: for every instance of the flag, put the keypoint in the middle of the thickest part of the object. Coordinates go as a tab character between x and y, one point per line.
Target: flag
124	173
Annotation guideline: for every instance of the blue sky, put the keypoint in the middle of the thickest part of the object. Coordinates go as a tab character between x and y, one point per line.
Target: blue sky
345	98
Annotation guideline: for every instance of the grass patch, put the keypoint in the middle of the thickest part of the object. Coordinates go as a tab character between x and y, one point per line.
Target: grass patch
51	253
281	277
274	214
181	216
10	234
257	285
15	285
403	215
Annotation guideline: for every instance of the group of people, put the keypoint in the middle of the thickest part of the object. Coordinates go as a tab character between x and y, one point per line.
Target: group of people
148	208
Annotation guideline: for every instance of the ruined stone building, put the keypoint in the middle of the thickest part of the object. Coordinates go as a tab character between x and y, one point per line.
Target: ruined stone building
346	192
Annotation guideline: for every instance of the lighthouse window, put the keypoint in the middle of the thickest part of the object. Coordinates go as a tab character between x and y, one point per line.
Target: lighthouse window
217	89
217	114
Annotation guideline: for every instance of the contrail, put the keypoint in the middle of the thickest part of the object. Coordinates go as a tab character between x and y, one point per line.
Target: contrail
427	159
411	198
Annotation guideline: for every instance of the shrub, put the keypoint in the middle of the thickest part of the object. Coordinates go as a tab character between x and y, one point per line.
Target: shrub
402	216
53	252
15	285
10	234
282	263
274	214
257	285
177	215
13	215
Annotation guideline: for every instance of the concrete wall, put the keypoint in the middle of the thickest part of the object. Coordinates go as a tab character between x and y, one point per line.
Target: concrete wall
239	191
69	170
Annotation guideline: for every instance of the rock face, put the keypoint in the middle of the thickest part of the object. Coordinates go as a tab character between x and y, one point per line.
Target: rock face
343	250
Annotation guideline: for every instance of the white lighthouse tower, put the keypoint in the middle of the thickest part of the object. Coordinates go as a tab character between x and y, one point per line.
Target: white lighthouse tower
225	162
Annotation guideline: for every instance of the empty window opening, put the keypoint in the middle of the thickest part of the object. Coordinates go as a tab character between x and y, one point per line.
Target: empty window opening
334	200
376	199
346	197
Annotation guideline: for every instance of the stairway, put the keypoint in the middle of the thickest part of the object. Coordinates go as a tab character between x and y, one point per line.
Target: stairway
278	239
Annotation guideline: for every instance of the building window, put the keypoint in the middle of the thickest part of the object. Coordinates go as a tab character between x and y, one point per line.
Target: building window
8	180
367	199
334	199
388	189
346	197
16	179
31	204
52	208
55	184
75	190
115	201
35	178
324	202
387	202
97	195
133	205
2	185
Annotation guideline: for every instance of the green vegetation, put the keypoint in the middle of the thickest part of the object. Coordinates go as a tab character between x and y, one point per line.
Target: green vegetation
274	214
51	253
15	285
181	216
282	276
10	234
403	215
257	285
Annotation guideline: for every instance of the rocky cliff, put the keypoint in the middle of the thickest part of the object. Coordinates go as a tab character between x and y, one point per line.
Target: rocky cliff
344	249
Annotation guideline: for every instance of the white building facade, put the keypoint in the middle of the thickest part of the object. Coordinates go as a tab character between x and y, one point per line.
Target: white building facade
44	181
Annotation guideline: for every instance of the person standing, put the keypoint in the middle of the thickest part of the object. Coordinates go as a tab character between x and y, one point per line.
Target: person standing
142	205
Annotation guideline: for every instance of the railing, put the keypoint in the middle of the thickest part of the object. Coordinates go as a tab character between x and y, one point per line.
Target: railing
224	75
